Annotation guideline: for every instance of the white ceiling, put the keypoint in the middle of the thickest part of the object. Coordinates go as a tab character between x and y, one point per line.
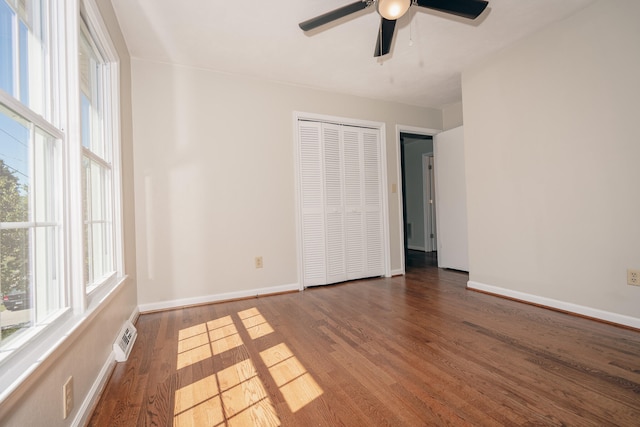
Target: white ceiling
262	39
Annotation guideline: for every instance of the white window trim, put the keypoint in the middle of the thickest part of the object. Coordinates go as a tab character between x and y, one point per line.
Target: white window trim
13	104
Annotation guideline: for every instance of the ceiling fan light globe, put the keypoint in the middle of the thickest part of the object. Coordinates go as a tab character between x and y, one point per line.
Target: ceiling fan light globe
392	9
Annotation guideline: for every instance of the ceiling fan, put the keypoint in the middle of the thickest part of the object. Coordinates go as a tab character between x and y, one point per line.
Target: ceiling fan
391	10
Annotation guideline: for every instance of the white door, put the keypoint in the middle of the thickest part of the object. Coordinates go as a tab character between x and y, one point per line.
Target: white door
451	199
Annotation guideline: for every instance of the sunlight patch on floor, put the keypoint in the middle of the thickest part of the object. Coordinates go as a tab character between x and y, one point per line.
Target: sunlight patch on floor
198	404
256	325
235	396
193	345
223	335
296	385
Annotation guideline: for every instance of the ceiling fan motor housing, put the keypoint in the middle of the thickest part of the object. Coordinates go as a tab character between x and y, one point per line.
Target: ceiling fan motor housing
391	10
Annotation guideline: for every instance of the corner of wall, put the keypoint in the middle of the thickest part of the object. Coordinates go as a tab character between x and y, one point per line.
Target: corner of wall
452	116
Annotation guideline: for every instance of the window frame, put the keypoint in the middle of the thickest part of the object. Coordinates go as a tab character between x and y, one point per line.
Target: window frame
35	348
19	106
91	20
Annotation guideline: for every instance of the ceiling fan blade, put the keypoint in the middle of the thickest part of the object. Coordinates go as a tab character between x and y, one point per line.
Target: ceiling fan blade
312	23
385	37
466	8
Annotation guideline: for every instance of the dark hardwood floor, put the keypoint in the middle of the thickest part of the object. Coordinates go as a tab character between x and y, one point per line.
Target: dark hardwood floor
418	350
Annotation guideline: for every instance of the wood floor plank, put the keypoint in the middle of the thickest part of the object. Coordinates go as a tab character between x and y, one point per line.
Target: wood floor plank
414	350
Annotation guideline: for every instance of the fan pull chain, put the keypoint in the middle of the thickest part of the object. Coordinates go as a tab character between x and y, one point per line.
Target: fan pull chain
380	41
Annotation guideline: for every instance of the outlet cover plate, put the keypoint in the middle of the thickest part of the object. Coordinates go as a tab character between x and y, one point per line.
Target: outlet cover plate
633	277
67	397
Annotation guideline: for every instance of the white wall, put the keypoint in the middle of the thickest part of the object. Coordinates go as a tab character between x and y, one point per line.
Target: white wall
452	116
84	353
552	149
214	178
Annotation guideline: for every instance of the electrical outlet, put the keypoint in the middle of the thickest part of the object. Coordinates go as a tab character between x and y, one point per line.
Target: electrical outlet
633	277
67	397
259	262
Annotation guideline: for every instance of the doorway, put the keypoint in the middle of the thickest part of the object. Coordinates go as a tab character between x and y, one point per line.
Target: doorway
418	195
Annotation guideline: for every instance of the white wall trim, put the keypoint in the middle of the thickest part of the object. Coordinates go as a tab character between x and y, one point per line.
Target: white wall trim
297	198
133	318
85	410
595	313
398	272
227	296
300	115
417	248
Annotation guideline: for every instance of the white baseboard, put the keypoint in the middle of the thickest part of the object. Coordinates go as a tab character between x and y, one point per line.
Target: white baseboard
398	272
165	305
134	316
85	410
594	313
417	248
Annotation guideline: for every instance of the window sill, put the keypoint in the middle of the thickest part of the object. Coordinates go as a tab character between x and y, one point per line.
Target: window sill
27	363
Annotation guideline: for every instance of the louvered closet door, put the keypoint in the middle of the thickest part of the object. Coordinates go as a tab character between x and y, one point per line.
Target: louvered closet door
334	203
372	203
312	204
354	202
341	203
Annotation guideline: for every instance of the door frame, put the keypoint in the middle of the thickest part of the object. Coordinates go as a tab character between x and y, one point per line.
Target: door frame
401	240
381	127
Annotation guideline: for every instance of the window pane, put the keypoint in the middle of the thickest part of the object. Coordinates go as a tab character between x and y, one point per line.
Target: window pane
14	279
23	52
7	41
98	232
91	96
24	63
14	168
47	178
48	290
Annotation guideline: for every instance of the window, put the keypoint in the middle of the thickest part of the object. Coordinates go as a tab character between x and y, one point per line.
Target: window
60	244
31	226
97	170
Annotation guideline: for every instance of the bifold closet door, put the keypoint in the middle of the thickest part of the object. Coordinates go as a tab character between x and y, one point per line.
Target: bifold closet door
334	203
341	203
353	203
372	203
312	204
